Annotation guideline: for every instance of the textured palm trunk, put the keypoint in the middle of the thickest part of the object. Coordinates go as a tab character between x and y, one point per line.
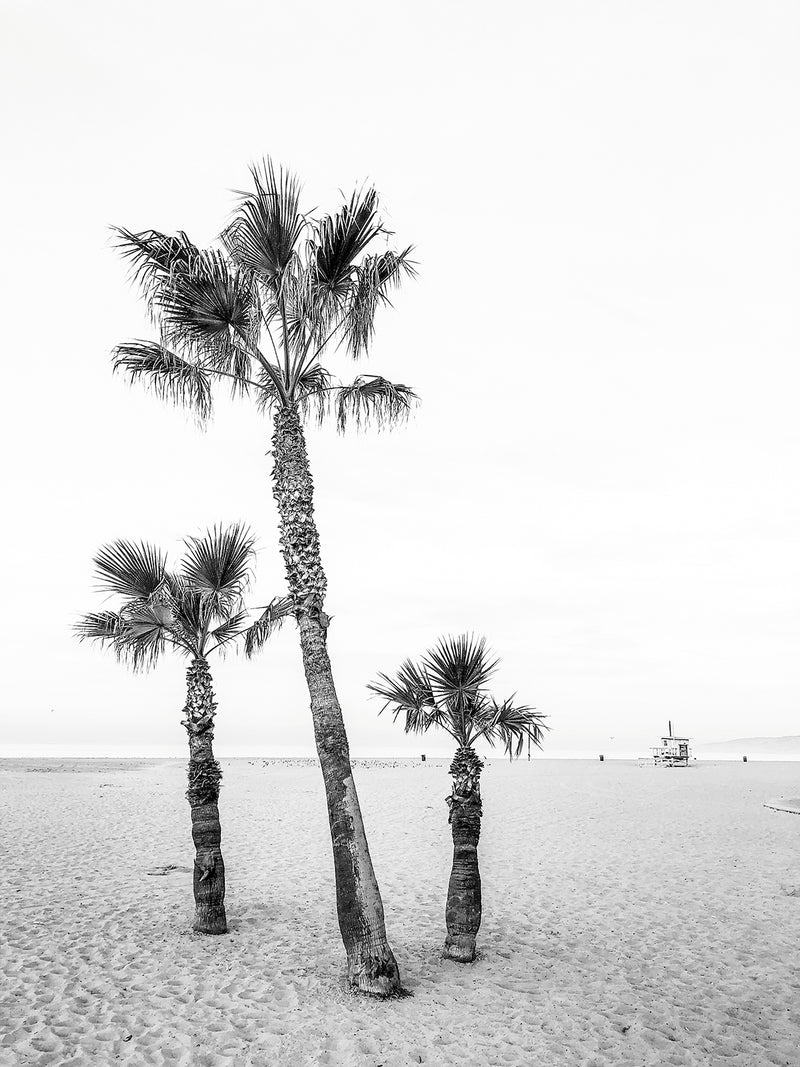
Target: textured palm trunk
371	966
463	910
203	797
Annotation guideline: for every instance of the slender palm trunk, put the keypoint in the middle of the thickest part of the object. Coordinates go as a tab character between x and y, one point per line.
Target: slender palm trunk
371	966
463	911
203	797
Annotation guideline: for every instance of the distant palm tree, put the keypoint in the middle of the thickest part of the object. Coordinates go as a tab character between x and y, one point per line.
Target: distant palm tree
447	689
259	312
196	610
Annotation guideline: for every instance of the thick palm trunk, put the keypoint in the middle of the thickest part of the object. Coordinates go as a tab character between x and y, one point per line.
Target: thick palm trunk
371	966
203	797
463	911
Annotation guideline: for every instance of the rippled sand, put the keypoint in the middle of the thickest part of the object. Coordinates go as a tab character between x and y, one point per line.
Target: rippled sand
632	916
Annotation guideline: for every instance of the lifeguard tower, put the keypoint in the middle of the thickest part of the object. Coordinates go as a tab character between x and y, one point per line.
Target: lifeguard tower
673	751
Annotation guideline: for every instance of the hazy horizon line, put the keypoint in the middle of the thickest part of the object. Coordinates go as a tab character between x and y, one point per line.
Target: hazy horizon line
52	750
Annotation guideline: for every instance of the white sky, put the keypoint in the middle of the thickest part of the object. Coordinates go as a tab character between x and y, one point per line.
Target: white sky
603	474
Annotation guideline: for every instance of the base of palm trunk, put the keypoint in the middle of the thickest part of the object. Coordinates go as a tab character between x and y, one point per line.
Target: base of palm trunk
376	975
210	919
460	948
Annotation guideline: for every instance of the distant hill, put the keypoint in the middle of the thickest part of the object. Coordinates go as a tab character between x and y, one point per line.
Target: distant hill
788	745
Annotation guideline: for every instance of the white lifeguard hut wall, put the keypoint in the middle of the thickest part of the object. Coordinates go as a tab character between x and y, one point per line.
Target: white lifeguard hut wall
673	751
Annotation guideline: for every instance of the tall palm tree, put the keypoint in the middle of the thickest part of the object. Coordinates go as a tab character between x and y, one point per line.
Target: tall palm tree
278	292
447	689
195	611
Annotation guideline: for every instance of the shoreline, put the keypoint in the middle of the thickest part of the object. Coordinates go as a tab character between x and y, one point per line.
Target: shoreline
23	752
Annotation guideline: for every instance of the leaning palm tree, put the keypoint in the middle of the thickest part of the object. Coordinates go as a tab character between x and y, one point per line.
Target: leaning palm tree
195	611
279	292
447	689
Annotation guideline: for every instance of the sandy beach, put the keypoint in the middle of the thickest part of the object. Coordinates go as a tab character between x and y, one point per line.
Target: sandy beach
632	916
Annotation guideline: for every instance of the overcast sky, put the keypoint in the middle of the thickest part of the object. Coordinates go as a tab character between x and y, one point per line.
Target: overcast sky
602	476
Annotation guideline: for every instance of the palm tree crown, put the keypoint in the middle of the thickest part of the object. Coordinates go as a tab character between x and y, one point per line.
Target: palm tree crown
447	688
261	308
195	609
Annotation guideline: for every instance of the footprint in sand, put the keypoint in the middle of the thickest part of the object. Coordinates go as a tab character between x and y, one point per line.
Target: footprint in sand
169	868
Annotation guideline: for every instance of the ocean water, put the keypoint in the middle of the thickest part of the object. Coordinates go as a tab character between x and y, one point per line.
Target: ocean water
83	751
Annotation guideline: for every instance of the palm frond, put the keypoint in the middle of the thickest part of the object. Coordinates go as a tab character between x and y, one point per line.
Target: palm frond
372	400
113	629
306	309
409	688
271	619
218	565
340	239
133	570
314	379
155	257
512	724
373	280
168	375
231	628
148	627
267	224
188	606
210	308
106	626
145	619
313	391
459	668
409	694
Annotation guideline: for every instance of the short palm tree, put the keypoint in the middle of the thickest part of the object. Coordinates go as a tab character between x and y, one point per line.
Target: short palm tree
259	311
447	689
195	611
